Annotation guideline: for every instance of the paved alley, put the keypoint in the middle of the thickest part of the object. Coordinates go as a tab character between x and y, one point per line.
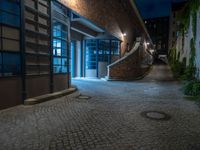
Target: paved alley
111	119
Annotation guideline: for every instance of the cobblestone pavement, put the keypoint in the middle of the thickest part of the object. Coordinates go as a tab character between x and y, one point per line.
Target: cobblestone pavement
110	120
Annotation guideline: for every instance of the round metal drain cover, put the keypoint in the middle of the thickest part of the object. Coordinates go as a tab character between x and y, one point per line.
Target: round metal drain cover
156	115
83	97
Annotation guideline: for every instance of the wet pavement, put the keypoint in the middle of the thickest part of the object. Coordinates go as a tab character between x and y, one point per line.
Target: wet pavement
110	119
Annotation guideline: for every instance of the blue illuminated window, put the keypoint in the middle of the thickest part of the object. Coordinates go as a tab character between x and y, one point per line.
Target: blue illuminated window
104	50
100	51
10	12
10	64
115	47
91	54
60	39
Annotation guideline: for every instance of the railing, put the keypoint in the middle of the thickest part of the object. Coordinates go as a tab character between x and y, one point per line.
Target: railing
132	65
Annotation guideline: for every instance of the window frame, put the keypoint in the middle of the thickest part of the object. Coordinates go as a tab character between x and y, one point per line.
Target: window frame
60	39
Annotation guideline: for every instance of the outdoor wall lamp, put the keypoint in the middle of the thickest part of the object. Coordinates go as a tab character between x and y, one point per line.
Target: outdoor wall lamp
124	34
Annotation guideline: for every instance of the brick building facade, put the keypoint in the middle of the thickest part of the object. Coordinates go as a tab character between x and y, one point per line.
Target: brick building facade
37	39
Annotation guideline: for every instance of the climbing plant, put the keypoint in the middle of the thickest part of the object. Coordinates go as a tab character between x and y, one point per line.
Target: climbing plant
192	53
190	71
194	24
190	11
193	86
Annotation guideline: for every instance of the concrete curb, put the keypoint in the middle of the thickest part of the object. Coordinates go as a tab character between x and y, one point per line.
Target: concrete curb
47	97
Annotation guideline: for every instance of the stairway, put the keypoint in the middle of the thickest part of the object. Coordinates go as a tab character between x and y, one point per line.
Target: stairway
132	65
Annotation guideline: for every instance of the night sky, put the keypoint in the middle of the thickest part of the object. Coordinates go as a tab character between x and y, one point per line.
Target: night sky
154	8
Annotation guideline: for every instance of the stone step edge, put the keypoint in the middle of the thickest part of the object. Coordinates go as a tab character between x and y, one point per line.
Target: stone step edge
51	96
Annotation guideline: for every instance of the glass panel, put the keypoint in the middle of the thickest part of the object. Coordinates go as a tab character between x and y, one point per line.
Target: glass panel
10	45
60	36
11	64
64	35
9	12
64	62
115	47
11	6
57	43
64	69
104	50
91	55
9	19
10	33
64	48
57	69
57	30
57	61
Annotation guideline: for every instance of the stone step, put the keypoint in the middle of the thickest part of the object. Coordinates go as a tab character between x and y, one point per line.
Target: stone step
47	97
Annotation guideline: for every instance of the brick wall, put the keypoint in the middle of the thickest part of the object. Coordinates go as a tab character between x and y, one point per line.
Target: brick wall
115	16
131	67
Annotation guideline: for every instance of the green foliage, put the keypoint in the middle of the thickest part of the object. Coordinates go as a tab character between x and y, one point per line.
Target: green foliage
191	8
177	67
194	24
192	88
192	53
190	71
189	74
172	56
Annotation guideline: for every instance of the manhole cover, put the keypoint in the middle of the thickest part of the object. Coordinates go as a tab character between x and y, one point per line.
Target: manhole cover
156	115
83	97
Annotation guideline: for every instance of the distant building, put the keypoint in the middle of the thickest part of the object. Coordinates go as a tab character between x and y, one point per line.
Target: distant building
158	29
174	24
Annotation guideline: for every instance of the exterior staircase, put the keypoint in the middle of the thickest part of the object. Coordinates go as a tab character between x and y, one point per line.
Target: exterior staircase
132	65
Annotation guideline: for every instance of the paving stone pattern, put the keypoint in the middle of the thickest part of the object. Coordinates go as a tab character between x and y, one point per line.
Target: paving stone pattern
110	120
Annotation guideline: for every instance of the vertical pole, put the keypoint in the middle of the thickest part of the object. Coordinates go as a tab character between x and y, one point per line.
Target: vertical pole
84	61
22	47
97	57
120	49
69	50
82	55
110	51
51	47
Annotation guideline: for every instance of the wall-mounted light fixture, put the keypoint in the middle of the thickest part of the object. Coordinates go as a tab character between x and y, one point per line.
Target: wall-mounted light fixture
124	34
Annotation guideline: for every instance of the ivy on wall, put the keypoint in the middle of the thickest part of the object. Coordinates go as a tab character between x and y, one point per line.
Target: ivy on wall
192	86
190	11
